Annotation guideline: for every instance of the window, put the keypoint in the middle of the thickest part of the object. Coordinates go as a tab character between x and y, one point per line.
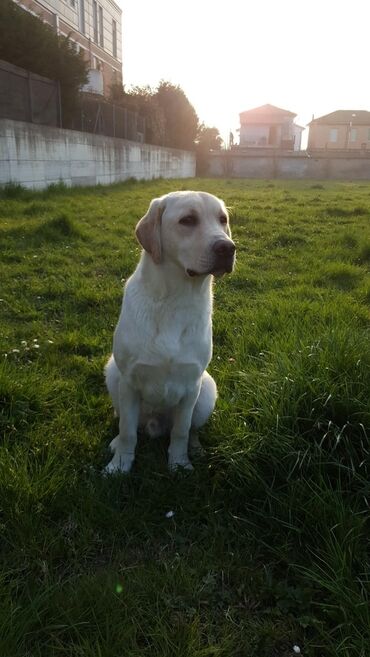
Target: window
353	134
97	64
333	135
101	35
95	20
98	24
114	35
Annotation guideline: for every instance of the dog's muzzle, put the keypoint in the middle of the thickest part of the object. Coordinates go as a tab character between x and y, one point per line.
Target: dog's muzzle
224	257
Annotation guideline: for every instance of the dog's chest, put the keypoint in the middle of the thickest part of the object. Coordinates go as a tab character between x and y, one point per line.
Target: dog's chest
170	362
163	348
164	385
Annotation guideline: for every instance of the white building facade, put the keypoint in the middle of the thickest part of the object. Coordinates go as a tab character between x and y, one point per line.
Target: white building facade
95	27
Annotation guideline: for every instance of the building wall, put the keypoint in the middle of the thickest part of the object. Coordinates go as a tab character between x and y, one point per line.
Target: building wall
75	18
254	135
270	136
347	137
36	156
339	166
297	136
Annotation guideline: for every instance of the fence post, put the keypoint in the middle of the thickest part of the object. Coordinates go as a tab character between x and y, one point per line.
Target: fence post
59	95
97	118
30	95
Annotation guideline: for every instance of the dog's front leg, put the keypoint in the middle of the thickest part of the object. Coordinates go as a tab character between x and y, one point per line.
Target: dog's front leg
178	449
124	444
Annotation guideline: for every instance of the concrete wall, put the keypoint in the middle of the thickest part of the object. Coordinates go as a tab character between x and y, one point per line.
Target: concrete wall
338	166
36	156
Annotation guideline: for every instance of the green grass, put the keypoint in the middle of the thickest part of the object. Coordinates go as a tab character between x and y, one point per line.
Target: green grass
268	546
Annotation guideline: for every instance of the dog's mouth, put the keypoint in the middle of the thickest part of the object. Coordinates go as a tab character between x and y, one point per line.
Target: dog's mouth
217	271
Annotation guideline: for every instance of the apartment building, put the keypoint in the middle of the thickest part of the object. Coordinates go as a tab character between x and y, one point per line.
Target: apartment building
95	28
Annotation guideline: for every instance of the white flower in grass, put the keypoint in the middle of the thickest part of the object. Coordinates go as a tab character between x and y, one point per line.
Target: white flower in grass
297	650
36	346
170	514
24	343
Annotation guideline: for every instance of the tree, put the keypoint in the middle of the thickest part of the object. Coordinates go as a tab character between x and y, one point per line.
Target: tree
28	42
208	139
170	118
143	100
181	120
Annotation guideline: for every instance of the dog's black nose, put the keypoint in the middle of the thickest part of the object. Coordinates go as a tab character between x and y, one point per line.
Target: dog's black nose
224	248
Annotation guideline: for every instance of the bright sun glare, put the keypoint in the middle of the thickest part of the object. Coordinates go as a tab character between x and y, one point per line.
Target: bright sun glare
306	57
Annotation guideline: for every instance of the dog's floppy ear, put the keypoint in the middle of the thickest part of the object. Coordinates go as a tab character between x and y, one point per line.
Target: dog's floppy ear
148	230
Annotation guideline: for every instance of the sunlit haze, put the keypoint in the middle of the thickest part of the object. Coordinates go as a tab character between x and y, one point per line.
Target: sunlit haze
228	57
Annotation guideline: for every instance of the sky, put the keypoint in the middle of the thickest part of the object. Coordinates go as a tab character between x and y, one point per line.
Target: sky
308	57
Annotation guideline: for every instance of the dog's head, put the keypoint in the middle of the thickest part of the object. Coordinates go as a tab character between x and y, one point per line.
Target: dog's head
190	229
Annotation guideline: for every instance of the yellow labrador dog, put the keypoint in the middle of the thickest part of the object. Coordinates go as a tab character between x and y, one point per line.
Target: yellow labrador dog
162	344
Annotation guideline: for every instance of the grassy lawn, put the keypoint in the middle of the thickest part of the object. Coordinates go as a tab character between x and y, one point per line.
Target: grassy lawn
268	544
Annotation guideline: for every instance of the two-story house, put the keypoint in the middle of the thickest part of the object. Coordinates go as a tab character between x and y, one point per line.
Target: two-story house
340	130
269	127
94	27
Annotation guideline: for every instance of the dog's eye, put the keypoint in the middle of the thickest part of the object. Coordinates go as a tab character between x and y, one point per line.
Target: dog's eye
223	219
190	220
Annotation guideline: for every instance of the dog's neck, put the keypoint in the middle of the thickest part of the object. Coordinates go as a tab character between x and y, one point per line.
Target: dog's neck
167	278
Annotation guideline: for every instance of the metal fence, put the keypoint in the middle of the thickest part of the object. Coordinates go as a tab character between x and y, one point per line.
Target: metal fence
103	118
25	96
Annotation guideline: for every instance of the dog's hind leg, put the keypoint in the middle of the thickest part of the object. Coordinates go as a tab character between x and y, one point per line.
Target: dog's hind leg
206	401
202	410
112	376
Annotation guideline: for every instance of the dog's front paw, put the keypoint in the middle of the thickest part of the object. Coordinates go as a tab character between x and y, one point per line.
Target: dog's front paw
177	462
121	461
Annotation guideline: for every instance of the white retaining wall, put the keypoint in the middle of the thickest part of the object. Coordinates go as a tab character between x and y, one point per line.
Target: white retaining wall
36	156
